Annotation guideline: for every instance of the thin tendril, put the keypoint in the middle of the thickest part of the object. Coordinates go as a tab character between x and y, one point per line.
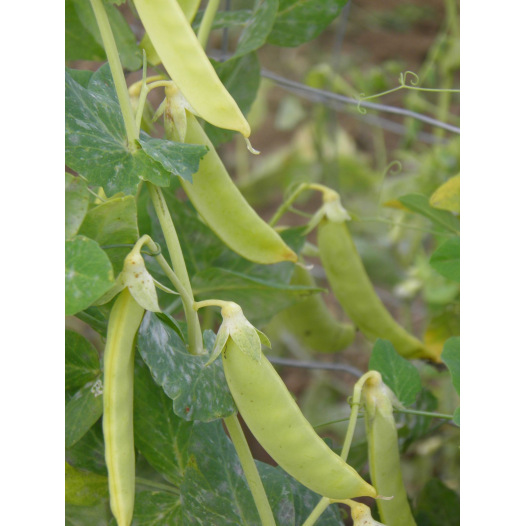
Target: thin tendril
413	85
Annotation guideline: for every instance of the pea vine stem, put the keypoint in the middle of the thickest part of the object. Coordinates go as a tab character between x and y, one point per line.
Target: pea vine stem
355	406
207	21
179	268
250	470
117	73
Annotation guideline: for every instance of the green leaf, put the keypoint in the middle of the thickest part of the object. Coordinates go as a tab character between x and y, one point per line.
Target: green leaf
240	76
420	204
213	488
82	361
113	222
99	515
447	196
225	19
258	27
451	357
198	392
437	505
299	21
259	298
88	273
157	508
77	201
88	452
456	416
400	375
82	411
84	488
177	158
446	259
96	142
129	52
415	427
79	43
160	435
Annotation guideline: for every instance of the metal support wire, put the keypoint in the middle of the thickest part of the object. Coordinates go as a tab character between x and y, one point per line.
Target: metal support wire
342	368
338	101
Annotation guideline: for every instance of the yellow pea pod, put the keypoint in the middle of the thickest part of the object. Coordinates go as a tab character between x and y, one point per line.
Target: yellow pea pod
280	427
187	64
225	210
117	418
353	289
311	322
384	458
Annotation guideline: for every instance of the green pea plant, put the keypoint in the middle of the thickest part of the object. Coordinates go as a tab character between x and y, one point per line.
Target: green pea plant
188	314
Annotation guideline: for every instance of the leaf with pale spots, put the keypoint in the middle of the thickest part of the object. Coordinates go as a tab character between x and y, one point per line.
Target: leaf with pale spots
89	273
96	141
198	392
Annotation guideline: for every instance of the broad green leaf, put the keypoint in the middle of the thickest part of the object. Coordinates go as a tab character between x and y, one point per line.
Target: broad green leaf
99	515
213	486
198	392
84	488
258	27
96	143
420	204
451	357
160	435
446	259
88	452
259	298
414	427
77	201
437	505
400	375
82	361
299	21
129	52
178	159
113	222
456	416
225	19
82	411
79	43
157	508
441	327
89	273
447	196
240	76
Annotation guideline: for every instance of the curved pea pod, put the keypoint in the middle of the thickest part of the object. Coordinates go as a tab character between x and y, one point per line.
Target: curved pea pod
280	427
311	322
117	419
353	289
225	210
384	458
187	64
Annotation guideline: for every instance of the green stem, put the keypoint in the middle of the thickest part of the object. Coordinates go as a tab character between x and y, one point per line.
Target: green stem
250	470
355	406
117	73
424	413
286	204
317	511
206	22
179	267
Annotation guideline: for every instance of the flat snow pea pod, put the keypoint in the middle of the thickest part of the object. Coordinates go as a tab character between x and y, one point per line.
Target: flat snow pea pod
353	288
272	415
187	64
225	210
117	419
384	458
311	322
